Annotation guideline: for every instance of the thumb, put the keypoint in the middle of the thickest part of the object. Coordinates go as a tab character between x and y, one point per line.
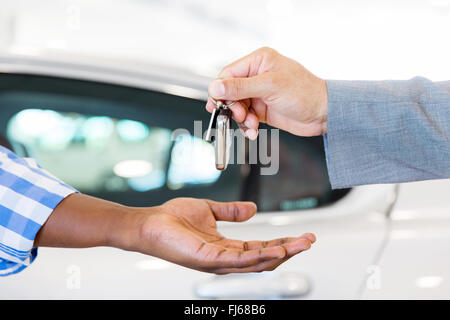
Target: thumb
237	211
239	88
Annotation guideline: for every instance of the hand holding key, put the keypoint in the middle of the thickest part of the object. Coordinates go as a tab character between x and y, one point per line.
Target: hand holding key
274	89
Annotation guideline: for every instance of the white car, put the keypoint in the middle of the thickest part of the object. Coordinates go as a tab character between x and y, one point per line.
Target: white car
80	117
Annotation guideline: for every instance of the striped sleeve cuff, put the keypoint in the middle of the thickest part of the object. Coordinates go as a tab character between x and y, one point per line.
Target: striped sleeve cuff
28	195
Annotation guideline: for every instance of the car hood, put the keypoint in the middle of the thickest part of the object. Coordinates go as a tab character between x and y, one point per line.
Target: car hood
122	72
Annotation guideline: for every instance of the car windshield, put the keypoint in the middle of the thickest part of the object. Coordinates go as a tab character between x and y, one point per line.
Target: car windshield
117	143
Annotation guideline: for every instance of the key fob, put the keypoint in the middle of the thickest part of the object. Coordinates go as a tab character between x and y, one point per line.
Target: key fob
223	138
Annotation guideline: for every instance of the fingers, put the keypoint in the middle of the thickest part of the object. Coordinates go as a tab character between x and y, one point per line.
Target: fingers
269	265
247	121
291	248
239	110
259	108
232	211
210	106
245	117
251	121
250	125
252	245
252	64
301	242
235	256
232	258
311	236
241	88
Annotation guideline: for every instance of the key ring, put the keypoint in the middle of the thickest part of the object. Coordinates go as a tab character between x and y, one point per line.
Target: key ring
219	103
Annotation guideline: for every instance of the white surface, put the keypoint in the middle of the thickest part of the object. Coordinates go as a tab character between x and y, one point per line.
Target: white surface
416	261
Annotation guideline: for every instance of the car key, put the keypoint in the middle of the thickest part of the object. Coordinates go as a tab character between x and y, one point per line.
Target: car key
212	126
220	123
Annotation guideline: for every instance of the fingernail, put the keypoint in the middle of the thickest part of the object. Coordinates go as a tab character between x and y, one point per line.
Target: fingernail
217	89
251	134
307	245
247	123
312	238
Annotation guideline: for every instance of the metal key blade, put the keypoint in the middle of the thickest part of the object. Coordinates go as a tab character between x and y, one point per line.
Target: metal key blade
223	139
212	125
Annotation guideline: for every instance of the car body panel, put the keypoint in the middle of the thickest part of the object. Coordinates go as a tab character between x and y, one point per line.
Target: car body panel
168	80
416	262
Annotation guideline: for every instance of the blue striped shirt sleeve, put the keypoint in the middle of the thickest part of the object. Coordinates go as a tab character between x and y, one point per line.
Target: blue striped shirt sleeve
28	195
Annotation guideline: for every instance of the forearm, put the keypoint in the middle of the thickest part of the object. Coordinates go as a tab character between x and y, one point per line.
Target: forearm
387	131
81	221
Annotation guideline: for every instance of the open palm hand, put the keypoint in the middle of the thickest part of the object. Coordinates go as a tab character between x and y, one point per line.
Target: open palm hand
184	231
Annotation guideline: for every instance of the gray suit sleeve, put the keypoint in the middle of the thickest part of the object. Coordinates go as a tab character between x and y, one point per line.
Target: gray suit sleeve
387	131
